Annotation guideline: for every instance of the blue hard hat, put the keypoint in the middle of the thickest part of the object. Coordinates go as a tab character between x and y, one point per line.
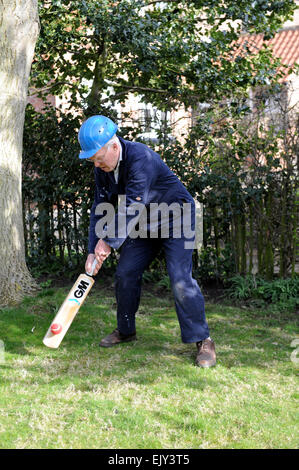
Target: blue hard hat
94	133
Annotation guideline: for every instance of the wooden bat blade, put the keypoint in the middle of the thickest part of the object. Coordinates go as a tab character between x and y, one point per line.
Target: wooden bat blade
68	310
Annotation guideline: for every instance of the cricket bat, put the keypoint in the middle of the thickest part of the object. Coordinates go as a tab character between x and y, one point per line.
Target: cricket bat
69	309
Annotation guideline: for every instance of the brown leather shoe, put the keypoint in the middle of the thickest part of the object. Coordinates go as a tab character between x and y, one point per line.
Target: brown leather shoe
206	353
116	338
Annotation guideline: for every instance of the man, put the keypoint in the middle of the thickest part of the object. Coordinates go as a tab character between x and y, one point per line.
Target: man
134	170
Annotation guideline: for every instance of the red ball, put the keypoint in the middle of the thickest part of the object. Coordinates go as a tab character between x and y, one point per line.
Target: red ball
56	328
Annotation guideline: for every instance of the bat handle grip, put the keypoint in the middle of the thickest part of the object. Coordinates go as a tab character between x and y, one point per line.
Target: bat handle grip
90	273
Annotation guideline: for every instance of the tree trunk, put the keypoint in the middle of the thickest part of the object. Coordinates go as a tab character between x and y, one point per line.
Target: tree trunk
19	27
93	100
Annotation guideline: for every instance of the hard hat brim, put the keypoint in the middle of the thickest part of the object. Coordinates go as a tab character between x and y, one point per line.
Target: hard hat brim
87	153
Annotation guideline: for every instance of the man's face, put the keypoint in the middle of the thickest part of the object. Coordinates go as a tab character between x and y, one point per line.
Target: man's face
106	159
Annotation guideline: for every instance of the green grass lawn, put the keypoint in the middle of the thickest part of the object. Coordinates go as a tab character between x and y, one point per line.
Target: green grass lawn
146	394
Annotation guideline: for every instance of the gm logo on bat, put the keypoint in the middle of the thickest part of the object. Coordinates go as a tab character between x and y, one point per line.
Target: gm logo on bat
79	292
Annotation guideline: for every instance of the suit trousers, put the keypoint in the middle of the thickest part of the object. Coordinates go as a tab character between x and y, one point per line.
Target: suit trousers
136	255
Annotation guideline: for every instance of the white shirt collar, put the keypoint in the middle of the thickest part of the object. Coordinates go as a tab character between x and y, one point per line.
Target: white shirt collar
119	160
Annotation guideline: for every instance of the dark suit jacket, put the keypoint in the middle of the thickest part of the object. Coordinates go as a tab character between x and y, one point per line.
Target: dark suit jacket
144	178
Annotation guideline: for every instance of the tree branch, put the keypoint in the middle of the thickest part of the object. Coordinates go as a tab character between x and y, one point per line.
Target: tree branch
139	88
50	87
153	2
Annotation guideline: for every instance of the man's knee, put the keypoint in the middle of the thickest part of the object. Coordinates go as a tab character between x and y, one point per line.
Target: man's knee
125	276
183	287
178	288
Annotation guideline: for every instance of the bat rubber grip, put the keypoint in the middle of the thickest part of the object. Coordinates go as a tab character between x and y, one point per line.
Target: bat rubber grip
90	273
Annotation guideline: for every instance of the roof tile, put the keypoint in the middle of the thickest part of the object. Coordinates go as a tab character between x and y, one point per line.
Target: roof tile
285	45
